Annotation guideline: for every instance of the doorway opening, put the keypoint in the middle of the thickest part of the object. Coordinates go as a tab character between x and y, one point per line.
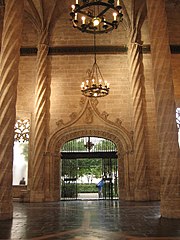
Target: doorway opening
84	163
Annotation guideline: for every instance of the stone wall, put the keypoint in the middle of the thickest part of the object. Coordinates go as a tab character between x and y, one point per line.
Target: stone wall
17	191
66	72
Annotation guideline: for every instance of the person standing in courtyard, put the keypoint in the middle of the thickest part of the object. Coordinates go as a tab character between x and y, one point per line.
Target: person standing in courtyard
100	186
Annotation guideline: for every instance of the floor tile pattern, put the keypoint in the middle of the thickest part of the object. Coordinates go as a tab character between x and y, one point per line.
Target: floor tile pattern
89	220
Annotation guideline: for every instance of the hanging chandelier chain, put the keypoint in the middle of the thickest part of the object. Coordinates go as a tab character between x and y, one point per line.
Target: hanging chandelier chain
95	47
96	16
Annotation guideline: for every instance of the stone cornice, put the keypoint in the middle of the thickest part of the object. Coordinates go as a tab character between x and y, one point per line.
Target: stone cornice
79	50
76	50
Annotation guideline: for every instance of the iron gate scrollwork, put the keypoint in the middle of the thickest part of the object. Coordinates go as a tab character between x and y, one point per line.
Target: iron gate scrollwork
69	179
77	154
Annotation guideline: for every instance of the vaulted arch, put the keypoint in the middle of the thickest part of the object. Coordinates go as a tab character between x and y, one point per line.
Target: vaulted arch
90	122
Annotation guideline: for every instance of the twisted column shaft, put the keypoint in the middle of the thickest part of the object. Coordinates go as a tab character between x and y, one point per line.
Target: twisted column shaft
135	66
40	127
165	107
8	93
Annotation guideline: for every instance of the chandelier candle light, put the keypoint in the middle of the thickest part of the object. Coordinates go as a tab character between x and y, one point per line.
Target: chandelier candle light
94	85
100	16
96	17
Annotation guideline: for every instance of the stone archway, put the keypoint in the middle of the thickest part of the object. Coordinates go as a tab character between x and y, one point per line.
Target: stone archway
89	122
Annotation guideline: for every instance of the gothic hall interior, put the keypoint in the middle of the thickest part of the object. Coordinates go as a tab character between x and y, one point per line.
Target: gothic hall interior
104	69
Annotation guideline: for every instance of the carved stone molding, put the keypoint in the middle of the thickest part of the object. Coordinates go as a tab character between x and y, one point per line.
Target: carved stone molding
145	49
21	130
90	121
88	109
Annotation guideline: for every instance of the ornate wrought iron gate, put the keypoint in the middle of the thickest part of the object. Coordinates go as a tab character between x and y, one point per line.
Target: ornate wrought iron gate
110	173
102	160
69	180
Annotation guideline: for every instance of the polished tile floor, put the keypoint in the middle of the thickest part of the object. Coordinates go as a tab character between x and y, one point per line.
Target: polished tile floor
89	220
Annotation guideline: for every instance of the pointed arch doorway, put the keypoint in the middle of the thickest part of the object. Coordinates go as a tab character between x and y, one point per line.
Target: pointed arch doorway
85	162
89	122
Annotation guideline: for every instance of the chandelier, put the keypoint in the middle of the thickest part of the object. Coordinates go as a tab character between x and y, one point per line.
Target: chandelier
99	16
94	84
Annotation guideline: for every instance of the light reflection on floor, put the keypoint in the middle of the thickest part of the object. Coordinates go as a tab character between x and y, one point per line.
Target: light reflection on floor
89	220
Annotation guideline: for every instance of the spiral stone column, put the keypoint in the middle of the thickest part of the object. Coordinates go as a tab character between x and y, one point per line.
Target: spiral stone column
136	78
9	62
40	122
165	107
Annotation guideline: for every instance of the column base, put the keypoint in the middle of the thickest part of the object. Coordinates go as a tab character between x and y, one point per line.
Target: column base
52	196
141	195
36	196
126	195
170	208
6	211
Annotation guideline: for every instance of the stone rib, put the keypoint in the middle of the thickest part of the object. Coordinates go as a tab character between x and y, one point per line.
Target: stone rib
8	94
164	97
138	112
40	117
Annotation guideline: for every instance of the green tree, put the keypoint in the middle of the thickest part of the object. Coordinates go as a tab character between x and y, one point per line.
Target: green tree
25	147
74	145
105	145
90	166
86	166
